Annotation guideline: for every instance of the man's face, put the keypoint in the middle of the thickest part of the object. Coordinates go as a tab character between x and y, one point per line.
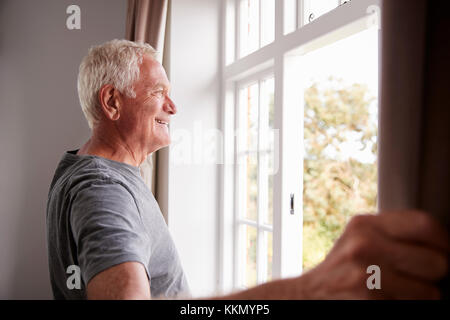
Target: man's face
146	118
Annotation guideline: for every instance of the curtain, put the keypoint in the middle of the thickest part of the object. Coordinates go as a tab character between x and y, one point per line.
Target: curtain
414	139
148	21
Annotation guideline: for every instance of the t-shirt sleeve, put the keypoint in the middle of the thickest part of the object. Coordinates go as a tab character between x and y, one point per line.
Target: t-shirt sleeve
107	229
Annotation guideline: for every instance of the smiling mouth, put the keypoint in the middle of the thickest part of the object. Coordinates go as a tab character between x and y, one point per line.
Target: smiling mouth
162	122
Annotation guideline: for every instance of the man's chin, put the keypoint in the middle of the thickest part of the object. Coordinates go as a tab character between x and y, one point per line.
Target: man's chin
160	146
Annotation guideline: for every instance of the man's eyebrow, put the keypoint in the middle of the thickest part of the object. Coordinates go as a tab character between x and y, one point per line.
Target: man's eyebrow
162	85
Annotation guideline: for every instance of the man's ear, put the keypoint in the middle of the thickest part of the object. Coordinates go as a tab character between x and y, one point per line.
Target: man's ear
110	101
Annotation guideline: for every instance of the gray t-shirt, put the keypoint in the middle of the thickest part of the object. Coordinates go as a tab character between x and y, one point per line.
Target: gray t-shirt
100	213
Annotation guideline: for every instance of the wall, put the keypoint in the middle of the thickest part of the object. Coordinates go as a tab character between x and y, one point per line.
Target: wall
40	118
193	203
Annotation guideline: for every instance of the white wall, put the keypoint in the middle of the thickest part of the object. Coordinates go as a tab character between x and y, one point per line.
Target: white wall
194	186
40	118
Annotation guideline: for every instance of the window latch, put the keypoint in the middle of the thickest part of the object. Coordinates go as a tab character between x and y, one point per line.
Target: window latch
292	203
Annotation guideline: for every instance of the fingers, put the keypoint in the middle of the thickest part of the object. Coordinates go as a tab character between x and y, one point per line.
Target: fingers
413	241
398	247
410	266
410	248
414	226
409	259
417	261
398	286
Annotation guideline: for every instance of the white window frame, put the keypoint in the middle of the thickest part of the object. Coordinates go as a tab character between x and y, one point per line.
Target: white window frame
348	18
261	227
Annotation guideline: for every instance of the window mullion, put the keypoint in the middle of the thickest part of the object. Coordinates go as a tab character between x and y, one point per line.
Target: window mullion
237	35
259	247
228	202
237	196
259	25
300	13
277	200
263	181
279	20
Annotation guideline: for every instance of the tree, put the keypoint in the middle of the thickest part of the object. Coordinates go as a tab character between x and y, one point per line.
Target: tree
336	186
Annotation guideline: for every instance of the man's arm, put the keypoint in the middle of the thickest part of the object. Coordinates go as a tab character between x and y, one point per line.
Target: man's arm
410	248
125	281
112	244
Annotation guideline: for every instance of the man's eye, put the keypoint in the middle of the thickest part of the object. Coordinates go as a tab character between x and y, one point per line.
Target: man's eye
159	93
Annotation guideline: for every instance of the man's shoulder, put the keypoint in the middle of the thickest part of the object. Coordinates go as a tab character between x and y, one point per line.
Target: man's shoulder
86	173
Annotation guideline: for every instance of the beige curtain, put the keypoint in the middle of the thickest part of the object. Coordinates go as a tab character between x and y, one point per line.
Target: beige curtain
148	21
414	145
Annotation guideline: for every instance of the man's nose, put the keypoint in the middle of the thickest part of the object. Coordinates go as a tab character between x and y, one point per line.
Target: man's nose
169	106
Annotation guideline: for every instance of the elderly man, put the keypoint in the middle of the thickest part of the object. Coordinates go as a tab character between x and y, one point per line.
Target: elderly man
102	218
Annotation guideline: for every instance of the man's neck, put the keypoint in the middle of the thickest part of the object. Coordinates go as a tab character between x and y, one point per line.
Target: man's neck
110	146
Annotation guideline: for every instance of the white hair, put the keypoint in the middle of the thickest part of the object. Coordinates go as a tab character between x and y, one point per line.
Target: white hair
115	62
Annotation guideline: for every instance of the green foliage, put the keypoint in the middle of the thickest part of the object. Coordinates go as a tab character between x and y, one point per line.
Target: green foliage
335	187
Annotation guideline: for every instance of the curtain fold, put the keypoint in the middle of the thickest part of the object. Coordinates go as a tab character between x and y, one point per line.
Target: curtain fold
414	126
401	96
147	22
414	139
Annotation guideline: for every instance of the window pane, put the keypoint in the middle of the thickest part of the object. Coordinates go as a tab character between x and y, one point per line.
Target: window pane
267	150
251	191
247	265
270	200
315	8
290	16
268	242
249	118
267	21
265	252
340	139
249	26
267	114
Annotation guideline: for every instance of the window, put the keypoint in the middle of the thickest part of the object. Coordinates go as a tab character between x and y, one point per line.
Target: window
255	158
340	90
299	13
300	122
256	24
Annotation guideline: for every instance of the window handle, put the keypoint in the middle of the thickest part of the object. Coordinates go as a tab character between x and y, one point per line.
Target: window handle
292	203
